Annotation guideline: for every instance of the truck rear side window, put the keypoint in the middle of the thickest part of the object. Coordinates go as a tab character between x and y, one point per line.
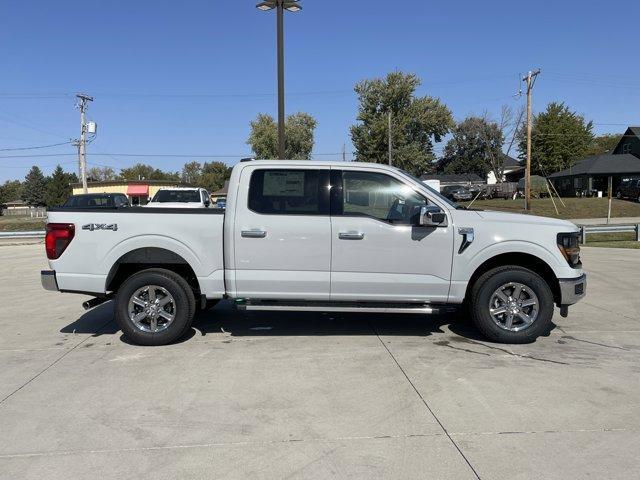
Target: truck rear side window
289	192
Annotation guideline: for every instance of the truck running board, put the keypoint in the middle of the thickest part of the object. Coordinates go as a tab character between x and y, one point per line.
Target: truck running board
349	307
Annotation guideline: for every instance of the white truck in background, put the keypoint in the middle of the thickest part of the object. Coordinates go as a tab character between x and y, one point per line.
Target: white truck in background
321	236
180	197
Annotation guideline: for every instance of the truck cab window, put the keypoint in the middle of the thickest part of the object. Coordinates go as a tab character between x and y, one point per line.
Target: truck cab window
289	192
380	196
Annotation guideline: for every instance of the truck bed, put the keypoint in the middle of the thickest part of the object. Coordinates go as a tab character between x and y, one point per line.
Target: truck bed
105	236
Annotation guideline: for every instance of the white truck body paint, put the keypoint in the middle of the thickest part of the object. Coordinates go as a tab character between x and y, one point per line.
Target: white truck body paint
301	257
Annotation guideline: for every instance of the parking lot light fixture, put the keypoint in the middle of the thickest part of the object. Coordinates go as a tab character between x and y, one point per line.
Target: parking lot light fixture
292	6
264	6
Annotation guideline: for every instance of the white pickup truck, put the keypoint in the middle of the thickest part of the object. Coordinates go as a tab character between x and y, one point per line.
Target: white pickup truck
318	236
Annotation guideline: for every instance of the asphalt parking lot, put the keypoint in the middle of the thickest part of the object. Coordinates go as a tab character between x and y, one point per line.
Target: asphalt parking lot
256	395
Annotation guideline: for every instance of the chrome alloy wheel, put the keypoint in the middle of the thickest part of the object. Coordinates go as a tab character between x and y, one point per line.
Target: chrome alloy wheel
514	306
152	309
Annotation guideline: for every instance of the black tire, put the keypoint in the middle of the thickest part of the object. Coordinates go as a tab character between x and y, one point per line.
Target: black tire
185	306
482	291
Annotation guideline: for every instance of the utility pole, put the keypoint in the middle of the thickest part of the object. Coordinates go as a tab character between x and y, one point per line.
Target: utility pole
530	78
344	152
82	142
389	132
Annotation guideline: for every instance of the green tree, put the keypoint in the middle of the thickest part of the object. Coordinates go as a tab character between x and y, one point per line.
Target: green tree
559	138
603	143
416	123
191	173
34	187
476	142
141	171
298	129
58	187
101	174
214	175
10	191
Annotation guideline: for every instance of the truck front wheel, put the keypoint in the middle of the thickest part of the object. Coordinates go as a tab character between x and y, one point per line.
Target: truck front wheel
154	307
511	304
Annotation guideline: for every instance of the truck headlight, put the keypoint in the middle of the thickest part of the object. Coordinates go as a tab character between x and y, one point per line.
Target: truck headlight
569	245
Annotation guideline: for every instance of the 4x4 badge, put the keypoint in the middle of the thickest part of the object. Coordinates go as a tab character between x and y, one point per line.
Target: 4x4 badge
100	226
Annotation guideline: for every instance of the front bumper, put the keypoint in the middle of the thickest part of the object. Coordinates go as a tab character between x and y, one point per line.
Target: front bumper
48	280
572	289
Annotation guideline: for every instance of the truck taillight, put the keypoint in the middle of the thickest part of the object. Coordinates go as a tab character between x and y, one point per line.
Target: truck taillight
58	238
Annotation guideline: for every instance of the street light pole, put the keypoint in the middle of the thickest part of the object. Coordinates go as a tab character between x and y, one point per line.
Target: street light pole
280	34
280	6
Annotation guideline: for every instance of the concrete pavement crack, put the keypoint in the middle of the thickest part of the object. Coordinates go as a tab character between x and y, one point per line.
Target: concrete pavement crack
609	311
299	440
67	352
569	337
217	444
517	354
444	343
415	389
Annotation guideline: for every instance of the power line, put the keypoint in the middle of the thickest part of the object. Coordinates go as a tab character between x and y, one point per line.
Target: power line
39	166
35	148
158	155
147	95
11	118
67	95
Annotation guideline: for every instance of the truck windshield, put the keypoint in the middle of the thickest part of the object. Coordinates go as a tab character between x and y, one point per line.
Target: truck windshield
181	196
432	190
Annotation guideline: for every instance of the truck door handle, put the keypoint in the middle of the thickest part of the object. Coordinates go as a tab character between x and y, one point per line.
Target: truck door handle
350	235
254	233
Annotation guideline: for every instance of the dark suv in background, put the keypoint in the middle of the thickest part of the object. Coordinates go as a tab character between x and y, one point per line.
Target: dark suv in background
97	200
629	189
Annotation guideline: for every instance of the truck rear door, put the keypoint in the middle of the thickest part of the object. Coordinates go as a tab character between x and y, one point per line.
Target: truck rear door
282	233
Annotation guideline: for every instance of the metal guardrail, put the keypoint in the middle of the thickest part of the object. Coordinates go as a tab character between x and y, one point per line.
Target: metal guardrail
585	229
29	234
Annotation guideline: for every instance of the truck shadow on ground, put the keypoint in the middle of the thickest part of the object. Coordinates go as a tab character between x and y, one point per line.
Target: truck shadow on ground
97	321
225	319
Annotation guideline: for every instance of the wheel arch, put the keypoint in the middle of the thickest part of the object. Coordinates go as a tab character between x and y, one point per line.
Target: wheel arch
144	258
519	259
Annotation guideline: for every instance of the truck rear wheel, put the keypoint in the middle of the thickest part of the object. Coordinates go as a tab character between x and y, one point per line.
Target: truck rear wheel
511	304
154	307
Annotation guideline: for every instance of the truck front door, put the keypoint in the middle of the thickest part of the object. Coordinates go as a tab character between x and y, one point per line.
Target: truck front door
282	233
378	252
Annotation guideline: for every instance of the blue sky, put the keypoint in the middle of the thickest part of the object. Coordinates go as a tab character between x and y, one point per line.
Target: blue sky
187	77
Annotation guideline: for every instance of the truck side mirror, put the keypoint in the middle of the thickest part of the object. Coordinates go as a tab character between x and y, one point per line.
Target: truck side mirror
432	216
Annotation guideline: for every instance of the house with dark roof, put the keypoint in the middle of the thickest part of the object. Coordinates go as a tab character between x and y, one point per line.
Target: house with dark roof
592	173
512	171
222	193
